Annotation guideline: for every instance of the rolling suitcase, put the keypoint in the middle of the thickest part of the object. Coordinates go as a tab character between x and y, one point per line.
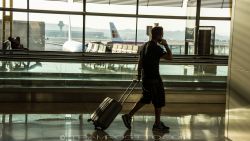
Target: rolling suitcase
110	108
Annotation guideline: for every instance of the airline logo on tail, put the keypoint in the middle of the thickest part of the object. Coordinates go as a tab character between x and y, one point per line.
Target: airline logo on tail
114	33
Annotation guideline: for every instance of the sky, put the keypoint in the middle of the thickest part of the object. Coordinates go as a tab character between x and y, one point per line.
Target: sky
222	27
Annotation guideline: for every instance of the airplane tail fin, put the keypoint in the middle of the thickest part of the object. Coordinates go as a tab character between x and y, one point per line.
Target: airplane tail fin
69	29
69	26
114	33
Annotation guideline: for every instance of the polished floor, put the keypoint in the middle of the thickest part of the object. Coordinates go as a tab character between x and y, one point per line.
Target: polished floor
198	127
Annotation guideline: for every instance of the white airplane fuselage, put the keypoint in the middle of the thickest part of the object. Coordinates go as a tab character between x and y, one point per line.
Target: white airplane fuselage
73	46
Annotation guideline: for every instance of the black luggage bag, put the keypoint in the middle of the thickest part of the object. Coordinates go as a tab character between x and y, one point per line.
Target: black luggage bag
110	108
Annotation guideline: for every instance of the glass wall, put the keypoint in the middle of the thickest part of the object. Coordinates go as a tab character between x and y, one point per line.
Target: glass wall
215	12
112	26
216	8
20	4
117	6
222	35
174	32
57	5
52	32
1	32
98	28
163	7
20	27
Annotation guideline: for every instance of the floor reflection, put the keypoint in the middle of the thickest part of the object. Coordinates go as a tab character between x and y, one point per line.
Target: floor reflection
185	127
22	66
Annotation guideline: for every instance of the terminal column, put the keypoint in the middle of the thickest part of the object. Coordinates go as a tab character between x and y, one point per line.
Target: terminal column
7	20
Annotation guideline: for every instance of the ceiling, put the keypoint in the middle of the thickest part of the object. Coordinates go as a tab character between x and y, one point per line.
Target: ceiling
167	3
212	3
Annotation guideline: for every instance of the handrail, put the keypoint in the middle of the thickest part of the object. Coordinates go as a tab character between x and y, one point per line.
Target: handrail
103	89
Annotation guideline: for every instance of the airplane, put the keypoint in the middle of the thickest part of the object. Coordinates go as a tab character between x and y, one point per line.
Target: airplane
71	45
116	38
74	46
114	33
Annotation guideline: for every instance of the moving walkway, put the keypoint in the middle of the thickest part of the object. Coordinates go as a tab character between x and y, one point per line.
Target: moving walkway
76	84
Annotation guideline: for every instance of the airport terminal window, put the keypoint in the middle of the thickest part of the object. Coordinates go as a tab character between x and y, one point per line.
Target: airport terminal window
1	32
16	4
20	27
222	35
58	5
215	12
20	4
108	31
49	32
216	8
117	6
163	7
174	32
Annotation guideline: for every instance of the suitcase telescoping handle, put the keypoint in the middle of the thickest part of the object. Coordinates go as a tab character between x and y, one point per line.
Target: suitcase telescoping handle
130	89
